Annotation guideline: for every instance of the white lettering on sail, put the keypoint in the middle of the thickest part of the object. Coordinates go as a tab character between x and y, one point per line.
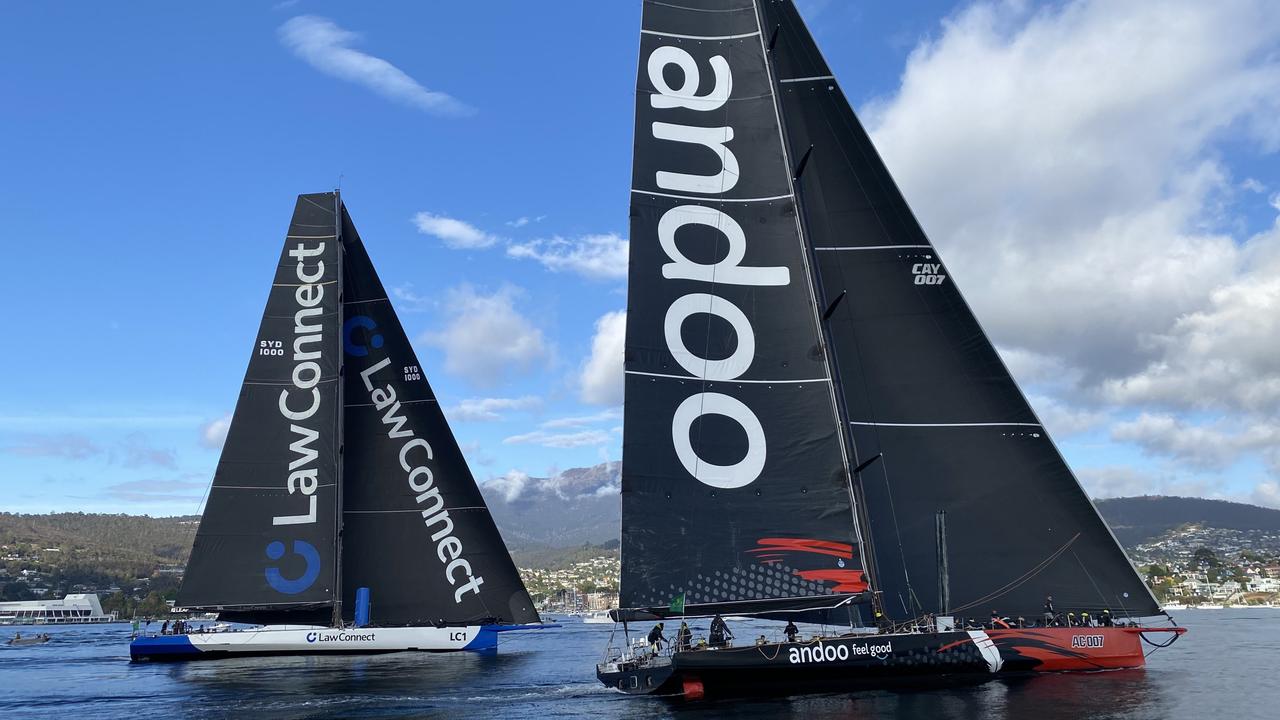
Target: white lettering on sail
702	303
686	95
303	476
746	470
729	270
715	139
421	481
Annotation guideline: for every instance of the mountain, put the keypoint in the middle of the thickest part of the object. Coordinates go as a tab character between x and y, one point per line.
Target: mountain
1136	520
576	507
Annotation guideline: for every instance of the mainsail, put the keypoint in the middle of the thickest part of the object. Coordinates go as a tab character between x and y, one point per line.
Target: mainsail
735	487
925	390
799	358
267	541
325	488
415	529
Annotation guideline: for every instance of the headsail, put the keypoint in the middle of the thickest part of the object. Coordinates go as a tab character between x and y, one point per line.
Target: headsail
735	492
266	542
922	384
416	531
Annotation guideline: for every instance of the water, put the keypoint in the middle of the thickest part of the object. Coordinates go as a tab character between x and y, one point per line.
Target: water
1224	669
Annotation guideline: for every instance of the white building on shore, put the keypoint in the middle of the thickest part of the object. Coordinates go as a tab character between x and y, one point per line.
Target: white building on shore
76	609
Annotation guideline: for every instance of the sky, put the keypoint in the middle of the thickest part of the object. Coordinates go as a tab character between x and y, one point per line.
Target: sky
1100	177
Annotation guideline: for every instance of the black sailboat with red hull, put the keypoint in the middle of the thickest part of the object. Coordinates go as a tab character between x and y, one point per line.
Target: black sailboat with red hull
807	391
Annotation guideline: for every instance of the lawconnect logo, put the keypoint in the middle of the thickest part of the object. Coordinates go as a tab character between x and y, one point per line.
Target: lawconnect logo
293	586
324	637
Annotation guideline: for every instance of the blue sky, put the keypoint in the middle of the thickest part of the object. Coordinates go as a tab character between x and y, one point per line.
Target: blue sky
1101	178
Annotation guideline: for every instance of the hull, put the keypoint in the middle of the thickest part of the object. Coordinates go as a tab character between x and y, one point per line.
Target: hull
1055	649
877	661
295	640
830	664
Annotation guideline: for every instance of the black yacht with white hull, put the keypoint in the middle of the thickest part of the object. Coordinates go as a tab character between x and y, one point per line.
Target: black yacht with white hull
343	517
810	402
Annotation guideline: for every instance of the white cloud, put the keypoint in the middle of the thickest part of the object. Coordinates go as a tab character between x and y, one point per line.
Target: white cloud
1064	159
510	485
485	337
490	409
582	420
525	220
325	46
565	440
599	257
1213	446
1225	355
1073	163
1123	481
1062	420
214	433
457	234
1266	494
602	373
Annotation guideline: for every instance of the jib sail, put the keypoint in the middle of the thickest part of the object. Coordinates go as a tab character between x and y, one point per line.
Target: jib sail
266	542
416	530
923	387
735	488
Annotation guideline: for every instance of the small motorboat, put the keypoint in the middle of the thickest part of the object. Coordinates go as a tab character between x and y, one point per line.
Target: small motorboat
18	640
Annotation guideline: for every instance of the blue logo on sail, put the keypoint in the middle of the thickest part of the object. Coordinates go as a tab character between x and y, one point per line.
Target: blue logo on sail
293	586
348	343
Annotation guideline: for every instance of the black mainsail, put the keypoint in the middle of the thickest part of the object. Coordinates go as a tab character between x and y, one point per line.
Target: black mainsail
267	542
924	388
339	471
735	485
798	359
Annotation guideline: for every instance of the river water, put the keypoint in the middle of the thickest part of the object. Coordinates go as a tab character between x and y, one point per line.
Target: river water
1225	668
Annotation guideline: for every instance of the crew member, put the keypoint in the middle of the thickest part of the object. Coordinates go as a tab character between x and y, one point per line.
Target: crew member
1050	616
719	633
1085	621
684	637
1105	619
791	631
656	638
1071	619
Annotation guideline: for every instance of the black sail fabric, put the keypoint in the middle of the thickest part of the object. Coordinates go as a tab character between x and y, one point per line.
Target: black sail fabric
735	490
922	384
267	537
416	530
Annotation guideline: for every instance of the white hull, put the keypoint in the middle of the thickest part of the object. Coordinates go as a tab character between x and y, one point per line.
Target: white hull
303	640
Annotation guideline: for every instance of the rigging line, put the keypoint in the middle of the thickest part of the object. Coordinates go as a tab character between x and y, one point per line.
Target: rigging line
1019	581
884	470
1101	596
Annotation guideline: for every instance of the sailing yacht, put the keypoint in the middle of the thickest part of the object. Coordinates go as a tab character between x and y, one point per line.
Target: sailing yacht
343	517
816	426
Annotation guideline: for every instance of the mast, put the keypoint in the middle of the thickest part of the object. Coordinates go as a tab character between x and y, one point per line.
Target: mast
340	416
821	309
944	578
